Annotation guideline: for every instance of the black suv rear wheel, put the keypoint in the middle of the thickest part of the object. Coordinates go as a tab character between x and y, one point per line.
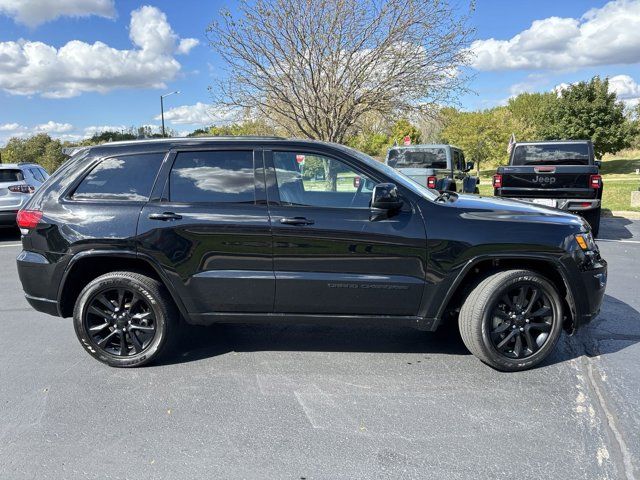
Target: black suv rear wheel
512	320
124	319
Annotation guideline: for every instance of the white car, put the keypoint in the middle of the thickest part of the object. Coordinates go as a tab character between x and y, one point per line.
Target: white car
17	184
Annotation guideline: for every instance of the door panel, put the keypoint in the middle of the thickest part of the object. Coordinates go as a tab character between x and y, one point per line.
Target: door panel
218	255
342	262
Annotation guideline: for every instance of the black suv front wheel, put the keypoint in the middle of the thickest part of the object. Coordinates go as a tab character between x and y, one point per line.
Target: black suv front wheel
124	319
512	320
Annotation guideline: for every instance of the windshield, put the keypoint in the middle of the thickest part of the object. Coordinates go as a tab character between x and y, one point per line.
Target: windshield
552	154
394	175
7	175
417	158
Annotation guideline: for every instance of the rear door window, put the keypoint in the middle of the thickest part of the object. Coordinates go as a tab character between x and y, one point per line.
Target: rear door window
552	154
418	157
127	177
11	175
219	176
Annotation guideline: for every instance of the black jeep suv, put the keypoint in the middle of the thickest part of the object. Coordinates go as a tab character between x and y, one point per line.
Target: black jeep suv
131	237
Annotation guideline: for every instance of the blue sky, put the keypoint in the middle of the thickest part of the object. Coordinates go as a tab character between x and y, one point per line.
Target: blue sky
54	77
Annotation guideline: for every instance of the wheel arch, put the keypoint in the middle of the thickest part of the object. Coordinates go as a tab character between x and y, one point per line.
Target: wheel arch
476	269
89	265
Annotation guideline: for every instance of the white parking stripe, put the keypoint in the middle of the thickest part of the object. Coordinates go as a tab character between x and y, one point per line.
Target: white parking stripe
637	242
11	245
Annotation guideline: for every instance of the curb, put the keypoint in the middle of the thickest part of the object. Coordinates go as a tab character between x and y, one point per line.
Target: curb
630	215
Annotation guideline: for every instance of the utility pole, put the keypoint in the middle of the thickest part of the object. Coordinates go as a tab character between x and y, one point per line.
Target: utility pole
162	109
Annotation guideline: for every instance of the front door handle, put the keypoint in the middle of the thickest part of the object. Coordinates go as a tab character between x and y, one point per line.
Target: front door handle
296	221
164	216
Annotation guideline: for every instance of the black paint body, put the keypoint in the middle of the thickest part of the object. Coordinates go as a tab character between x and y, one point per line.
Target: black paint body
240	263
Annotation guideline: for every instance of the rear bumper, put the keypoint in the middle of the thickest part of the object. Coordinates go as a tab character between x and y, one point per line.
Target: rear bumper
36	275
568	204
43	305
8	218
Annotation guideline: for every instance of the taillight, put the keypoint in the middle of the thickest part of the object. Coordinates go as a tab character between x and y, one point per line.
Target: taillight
497	181
28	218
22	188
595	181
431	182
356	182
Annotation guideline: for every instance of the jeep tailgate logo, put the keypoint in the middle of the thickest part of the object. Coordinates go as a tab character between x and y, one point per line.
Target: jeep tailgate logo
543	180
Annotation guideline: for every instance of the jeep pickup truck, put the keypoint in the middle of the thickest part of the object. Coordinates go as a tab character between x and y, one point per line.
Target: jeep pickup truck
561	174
437	166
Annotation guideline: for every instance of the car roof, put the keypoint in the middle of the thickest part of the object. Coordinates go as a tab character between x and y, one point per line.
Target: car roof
165	144
17	166
542	142
424	145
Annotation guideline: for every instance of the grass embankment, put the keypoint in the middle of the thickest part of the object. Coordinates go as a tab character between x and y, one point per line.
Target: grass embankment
618	174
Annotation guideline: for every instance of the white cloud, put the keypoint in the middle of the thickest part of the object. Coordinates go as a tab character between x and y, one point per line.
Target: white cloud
53	127
199	114
626	88
35	12
28	68
10	127
97	129
602	36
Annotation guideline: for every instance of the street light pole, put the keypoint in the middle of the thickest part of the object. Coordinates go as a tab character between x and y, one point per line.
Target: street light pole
162	109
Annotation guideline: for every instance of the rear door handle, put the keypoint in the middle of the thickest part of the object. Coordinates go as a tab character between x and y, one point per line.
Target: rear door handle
296	221
164	216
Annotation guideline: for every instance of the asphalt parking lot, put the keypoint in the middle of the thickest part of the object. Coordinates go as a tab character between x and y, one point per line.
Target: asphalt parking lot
318	402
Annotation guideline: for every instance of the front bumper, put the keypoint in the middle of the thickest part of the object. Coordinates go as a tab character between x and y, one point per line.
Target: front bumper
587	287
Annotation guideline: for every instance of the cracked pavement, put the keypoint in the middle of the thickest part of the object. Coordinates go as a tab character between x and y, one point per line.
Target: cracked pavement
318	402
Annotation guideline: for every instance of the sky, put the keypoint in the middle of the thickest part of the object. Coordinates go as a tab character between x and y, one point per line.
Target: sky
71	68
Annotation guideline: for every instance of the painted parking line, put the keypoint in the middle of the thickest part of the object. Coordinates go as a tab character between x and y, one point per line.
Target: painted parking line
637	242
11	245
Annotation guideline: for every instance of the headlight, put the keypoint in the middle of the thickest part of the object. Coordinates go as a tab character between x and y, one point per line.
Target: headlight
586	242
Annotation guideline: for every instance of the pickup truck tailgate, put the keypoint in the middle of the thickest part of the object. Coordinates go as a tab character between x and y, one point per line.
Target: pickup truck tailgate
566	181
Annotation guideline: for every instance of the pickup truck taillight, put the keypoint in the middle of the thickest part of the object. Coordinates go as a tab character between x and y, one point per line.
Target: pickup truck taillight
431	182
595	181
497	181
22	188
28	218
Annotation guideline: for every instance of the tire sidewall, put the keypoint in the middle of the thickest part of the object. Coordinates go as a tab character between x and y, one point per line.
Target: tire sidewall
506	363
103	284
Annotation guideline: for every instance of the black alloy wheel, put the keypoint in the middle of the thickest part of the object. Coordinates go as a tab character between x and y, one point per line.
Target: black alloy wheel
512	319
120	322
521	321
125	319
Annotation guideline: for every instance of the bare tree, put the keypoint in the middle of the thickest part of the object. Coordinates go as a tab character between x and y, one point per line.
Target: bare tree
317	67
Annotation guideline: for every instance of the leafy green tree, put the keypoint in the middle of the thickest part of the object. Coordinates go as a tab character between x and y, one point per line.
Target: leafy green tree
587	110
482	135
403	128
533	112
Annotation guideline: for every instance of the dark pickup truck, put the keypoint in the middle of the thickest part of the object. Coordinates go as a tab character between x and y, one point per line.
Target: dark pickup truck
561	174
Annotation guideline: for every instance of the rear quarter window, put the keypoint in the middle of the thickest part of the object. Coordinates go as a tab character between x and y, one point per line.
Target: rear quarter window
127	177
11	175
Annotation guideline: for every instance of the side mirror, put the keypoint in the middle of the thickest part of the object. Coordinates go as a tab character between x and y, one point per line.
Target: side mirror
598	163
385	197
470	166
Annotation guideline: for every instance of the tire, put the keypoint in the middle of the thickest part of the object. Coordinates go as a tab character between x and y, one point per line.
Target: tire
593	217
481	329
476	191
137	334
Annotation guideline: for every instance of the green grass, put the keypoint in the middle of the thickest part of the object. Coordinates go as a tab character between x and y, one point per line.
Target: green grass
618	174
